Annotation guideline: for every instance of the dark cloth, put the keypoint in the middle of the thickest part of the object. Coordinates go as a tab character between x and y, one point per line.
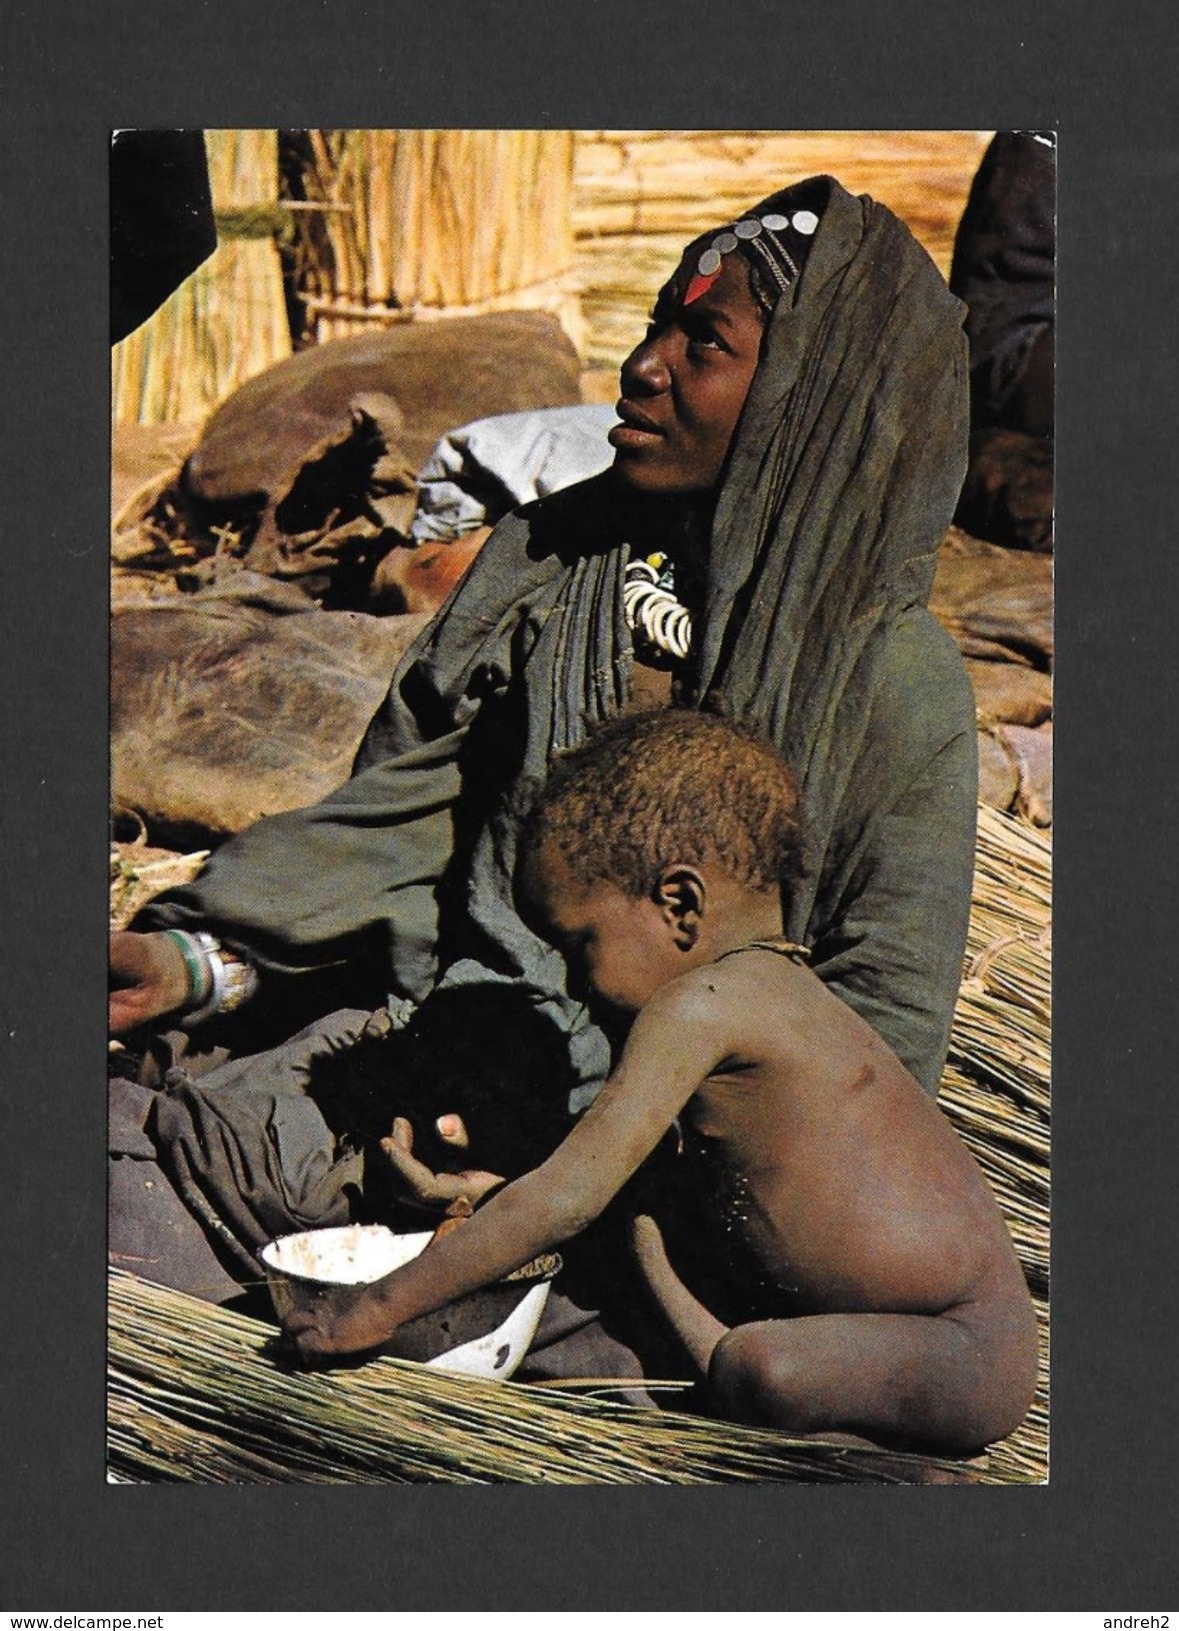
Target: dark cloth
1004	268
287	1139
847	462
251	1142
162	225
151	1230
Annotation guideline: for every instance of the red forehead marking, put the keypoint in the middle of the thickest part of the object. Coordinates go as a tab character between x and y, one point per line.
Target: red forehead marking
700	284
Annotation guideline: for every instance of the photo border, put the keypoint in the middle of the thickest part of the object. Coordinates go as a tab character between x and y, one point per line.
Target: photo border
1102	1531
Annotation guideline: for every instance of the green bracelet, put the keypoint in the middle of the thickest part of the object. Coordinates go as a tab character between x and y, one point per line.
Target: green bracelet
198	970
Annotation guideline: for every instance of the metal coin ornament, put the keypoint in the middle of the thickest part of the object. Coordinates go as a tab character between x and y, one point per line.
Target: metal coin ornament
760	235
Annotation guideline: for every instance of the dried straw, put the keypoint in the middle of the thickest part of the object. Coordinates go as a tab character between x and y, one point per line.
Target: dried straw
639	196
439	222
196	1394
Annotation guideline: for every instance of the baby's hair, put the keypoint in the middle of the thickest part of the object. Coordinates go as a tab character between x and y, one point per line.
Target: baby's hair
647	789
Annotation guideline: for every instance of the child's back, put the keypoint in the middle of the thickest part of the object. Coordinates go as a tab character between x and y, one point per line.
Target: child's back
843	1185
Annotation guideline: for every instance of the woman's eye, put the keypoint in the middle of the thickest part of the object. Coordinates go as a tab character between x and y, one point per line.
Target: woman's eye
699	332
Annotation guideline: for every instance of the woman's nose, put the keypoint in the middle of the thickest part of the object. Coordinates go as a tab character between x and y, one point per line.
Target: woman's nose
645	371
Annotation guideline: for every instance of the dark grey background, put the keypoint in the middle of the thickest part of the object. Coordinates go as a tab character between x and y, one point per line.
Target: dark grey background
1102	1534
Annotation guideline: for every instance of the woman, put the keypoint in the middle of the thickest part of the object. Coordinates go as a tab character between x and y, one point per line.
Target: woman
792	437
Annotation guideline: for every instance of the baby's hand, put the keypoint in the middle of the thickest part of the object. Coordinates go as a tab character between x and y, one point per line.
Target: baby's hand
457	1212
414	1182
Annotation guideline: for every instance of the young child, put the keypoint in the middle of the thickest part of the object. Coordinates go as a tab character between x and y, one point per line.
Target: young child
855	1273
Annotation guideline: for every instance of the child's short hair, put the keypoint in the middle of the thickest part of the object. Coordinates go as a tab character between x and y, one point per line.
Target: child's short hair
671	785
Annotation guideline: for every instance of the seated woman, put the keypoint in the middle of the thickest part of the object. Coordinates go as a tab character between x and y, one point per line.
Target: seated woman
793	438
844	1265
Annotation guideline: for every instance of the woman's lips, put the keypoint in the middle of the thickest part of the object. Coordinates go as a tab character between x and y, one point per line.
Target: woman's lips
636	430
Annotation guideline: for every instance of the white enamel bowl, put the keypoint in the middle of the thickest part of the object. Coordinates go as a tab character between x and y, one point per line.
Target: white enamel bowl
486	1333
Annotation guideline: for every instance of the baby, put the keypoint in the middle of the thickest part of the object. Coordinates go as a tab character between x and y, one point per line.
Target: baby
858	1274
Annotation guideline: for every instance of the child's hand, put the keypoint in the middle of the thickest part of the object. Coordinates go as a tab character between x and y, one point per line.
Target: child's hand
457	1212
317	1335
414	1182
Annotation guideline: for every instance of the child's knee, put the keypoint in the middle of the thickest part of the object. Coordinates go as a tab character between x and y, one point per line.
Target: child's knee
978	1379
755	1378
996	1393
944	1384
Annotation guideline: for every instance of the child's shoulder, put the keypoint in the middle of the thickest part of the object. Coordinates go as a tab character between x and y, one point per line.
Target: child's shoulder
749	1012
769	989
727	989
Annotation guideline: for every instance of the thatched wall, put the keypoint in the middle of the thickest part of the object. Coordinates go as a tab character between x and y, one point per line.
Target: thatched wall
640	195
439	222
228	321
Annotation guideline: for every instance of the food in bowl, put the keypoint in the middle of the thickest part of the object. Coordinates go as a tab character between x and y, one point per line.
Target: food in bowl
485	1333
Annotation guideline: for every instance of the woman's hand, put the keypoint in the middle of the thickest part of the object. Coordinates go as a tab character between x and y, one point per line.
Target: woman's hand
414	1183
148	977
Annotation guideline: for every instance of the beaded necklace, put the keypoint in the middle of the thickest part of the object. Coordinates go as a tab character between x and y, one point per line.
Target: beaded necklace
660	624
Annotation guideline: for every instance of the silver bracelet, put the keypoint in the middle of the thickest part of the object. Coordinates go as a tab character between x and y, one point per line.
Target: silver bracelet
232	979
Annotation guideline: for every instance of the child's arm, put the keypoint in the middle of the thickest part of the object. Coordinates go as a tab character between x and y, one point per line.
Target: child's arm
674	1043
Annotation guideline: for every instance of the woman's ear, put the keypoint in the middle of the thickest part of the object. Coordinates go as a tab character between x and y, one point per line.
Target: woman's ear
681	896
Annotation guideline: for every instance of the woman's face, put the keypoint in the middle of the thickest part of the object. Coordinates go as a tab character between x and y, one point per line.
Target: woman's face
684	387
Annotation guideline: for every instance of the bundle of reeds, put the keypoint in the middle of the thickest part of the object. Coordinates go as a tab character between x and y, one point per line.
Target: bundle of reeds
195	1394
996	1088
437	223
227	321
640	196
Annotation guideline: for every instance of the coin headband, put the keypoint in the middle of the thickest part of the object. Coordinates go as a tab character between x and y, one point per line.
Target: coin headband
763	236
